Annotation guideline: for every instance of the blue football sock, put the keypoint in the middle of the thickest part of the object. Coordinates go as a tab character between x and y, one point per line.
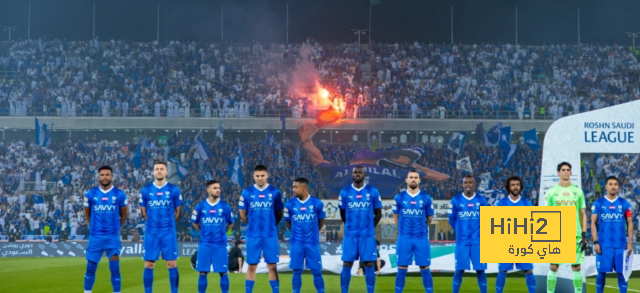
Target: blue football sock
531	282
90	275
275	286
400	280
147	279
345	279
202	283
174	279
457	281
370	279
296	281
500	281
482	281
224	283
116	279
427	280
622	284
248	286
318	281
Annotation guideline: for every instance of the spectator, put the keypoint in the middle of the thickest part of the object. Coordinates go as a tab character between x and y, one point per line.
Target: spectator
236	259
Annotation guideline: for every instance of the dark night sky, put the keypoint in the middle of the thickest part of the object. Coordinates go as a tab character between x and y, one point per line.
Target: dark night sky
328	20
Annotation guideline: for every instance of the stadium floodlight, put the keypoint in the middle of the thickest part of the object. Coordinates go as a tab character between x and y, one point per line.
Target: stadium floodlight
9	29
359	33
634	36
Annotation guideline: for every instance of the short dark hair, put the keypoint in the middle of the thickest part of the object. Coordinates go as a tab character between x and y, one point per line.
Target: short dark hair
469	176
238	242
302	180
611	178
260	168
564	164
211	182
412	171
512	178
160	163
105	167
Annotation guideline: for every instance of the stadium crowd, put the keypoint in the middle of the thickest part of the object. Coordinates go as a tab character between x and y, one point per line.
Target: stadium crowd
64	171
408	80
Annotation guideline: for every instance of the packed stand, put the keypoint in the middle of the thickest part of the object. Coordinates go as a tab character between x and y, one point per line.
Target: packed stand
409	80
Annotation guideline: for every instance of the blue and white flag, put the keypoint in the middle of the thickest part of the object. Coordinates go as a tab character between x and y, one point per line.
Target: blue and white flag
505	138
492	136
181	170
456	142
494	195
464	165
508	155
235	167
531	139
173	140
220	130
203	150
280	158
43	134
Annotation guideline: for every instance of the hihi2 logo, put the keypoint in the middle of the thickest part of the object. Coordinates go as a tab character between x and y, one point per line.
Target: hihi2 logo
534	234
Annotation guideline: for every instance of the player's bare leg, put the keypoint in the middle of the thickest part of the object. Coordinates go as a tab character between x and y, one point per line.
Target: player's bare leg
250	278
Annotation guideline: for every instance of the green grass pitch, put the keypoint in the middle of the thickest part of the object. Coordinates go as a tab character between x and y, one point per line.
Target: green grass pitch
47	275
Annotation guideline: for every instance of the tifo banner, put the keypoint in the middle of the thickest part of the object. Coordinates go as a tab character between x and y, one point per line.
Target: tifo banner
331	209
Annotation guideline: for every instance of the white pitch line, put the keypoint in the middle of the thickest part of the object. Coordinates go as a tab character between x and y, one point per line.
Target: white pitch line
615	287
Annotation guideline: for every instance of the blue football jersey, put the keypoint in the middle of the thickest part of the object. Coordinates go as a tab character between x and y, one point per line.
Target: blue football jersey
464	217
160	203
105	210
507	202
413	211
612	221
304	217
213	221
261	206
359	205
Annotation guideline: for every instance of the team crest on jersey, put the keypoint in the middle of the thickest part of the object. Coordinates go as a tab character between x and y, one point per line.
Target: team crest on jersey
477	204
311	207
166	193
270	195
368	195
220	211
113	198
421	202
620	209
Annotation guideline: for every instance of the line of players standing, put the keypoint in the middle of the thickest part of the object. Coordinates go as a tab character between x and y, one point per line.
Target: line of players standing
261	209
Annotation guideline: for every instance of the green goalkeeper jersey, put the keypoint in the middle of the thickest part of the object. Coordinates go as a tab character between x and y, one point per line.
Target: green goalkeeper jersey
572	196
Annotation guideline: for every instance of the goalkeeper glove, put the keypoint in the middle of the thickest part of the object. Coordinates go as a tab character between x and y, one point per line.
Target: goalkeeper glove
583	242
